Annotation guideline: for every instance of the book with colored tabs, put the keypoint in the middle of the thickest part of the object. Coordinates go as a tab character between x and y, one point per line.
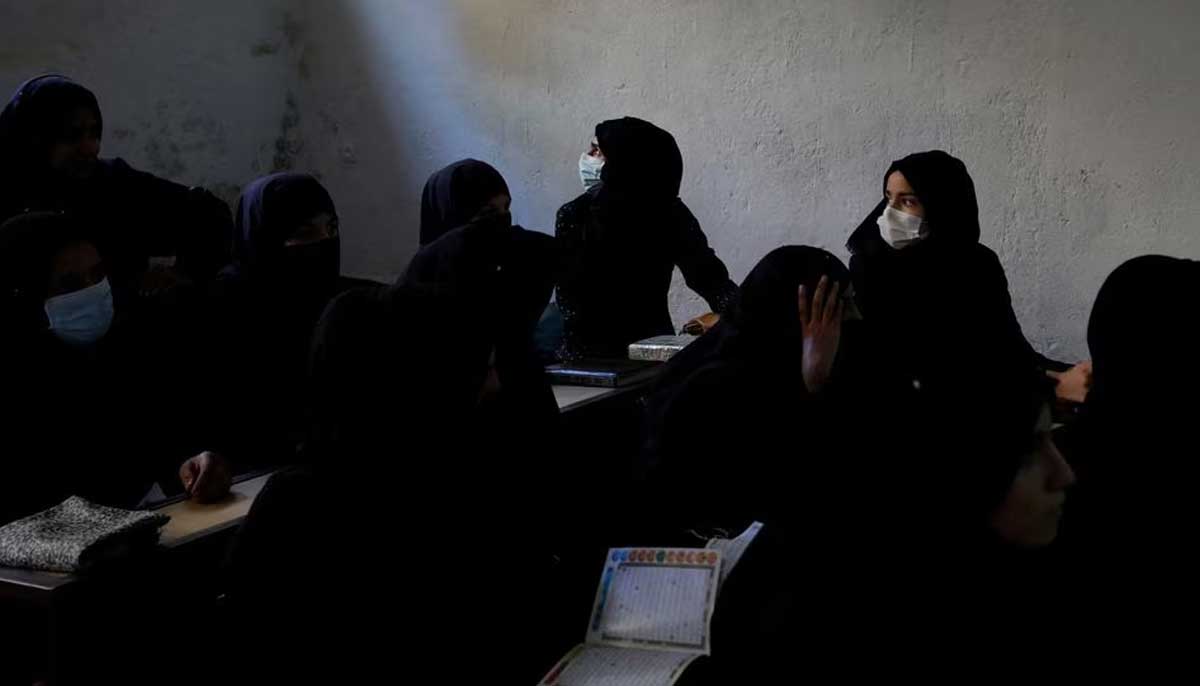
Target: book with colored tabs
659	348
605	373
652	616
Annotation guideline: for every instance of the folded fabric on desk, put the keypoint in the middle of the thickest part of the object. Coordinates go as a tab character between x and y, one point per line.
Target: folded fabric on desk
75	535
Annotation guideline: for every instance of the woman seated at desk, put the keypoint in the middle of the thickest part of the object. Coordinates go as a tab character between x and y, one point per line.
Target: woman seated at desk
936	299
1126	532
406	490
951	525
50	138
622	239
97	398
286	269
773	368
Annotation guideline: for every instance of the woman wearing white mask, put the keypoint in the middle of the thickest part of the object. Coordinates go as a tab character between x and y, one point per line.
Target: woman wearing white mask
622	240
79	373
936	299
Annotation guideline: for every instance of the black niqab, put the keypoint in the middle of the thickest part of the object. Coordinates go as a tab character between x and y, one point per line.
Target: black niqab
270	210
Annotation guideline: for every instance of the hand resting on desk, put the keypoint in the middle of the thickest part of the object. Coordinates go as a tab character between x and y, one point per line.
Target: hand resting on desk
206	477
702	324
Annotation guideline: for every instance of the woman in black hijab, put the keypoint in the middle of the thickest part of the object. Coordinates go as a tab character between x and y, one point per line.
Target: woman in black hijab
726	408
96	399
1134	443
506	270
393	372
422	479
622	239
946	518
285	271
50	134
458	194
936	300
470	193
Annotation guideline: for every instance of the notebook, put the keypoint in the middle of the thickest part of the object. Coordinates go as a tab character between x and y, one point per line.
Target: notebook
605	373
652	615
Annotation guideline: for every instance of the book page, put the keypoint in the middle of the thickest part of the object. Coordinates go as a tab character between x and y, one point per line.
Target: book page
656	598
598	665
732	549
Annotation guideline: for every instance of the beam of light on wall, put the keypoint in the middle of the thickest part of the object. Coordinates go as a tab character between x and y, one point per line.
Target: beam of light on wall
420	70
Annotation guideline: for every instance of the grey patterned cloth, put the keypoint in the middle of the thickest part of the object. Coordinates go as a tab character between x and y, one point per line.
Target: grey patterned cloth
75	535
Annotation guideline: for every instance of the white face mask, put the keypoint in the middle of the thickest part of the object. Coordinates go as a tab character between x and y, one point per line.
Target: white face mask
589	170
81	317
900	229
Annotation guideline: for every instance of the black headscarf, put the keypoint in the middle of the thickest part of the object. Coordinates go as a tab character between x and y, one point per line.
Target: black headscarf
394	377
641	160
28	243
416	340
455	195
509	272
938	305
35	116
763	324
270	210
1135	442
84	435
737	391
1141	317
946	191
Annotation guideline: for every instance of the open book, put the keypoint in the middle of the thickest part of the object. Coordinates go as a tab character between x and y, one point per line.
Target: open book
652	615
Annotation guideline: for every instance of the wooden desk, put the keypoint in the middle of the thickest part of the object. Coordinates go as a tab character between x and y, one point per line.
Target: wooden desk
65	601
571	398
191	520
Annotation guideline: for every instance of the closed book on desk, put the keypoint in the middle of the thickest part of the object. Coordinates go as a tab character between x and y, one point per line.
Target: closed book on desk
604	373
659	348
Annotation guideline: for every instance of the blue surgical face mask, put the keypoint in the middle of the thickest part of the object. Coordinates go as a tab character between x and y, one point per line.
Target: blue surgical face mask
590	167
81	317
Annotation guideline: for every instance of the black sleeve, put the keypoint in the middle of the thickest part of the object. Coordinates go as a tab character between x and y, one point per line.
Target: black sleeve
703	271
569	234
191	224
994	283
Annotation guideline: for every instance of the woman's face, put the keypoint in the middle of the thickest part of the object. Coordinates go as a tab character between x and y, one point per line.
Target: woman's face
319	228
74	268
595	151
1031	510
901	196
76	151
499	205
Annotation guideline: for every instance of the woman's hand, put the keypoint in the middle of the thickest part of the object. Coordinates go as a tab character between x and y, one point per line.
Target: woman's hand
702	324
1073	384
206	477
821	321
159	280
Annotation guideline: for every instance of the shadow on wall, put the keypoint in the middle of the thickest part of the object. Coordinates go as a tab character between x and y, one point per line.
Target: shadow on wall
182	96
